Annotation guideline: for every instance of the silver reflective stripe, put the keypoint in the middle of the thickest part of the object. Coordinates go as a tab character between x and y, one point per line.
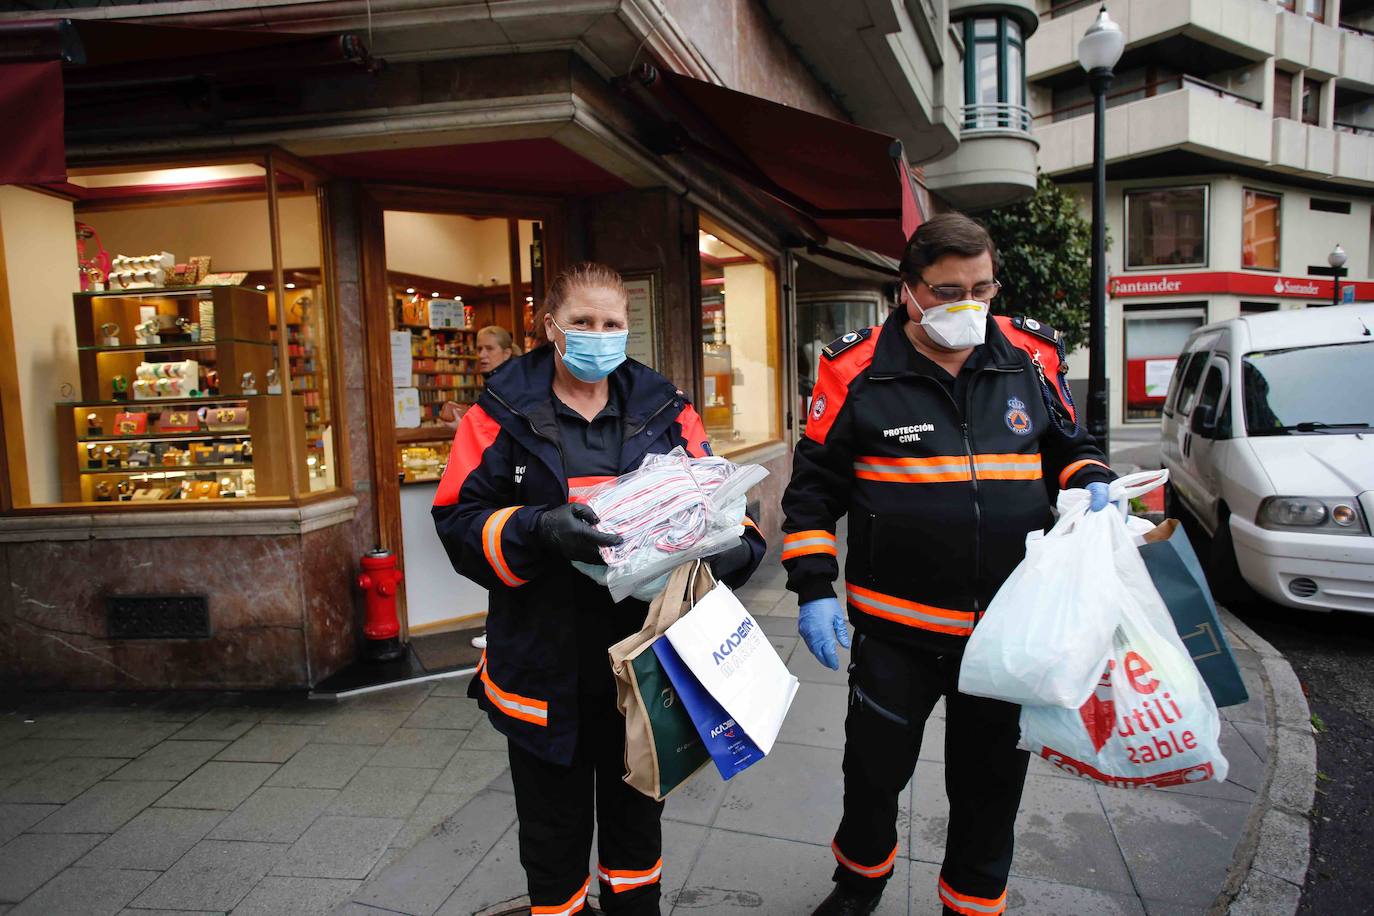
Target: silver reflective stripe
1007	466
913	470
955	904
518	707
808	542
861	600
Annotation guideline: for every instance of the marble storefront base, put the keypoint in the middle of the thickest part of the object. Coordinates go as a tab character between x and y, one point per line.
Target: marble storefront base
283	613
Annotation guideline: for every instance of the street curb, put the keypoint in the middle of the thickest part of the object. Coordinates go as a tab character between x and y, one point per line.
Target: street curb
1270	863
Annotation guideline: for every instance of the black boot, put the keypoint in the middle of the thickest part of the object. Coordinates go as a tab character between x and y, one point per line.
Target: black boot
846	902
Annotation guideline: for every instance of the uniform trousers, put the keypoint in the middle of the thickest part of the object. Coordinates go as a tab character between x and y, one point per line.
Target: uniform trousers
893	689
559	806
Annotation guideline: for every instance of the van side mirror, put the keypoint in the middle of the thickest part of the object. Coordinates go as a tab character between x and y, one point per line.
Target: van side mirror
1204	420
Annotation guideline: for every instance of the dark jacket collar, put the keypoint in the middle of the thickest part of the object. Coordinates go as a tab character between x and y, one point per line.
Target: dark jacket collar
895	355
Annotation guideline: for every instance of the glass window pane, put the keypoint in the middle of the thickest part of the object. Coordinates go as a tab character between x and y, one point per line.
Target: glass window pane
1152	347
985	28
1283	388
1016	82
741	380
1013	30
1191	376
1260	231
1166	226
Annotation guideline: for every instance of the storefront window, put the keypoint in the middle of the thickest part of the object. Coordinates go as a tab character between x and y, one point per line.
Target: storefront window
994	75
822	318
163	352
1166	227
1260	231
1154	338
741	332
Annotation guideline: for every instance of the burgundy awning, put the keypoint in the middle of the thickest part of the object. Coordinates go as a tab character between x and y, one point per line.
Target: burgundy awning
853	183
41	61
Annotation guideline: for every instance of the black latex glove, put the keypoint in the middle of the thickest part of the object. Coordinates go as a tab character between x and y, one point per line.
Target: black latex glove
570	531
731	560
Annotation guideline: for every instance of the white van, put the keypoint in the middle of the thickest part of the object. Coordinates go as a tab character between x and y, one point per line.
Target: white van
1268	435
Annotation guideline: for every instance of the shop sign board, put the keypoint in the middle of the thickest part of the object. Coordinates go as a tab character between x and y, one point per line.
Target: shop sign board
1244	284
1157	375
642	289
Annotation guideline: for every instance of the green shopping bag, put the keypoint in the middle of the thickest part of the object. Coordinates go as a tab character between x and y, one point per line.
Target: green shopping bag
662	746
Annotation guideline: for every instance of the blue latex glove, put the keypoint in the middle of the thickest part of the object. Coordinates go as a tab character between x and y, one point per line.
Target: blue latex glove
1098	491
820	624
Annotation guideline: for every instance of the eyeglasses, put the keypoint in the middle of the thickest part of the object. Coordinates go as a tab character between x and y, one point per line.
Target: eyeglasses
983	292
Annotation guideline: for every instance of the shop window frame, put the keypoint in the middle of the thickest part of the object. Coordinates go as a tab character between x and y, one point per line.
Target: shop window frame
1126	196
1278	231
274	162
1192	308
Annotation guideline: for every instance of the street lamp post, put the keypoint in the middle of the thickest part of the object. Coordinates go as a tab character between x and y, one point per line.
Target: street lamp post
1098	51
1337	261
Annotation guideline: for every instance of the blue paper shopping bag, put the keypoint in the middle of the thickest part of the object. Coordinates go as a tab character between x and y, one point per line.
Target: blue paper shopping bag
730	748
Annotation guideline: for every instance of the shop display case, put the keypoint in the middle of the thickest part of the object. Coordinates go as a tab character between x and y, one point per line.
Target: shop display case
180	399
422	461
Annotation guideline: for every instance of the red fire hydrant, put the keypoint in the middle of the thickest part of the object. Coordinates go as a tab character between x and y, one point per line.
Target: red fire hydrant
382	628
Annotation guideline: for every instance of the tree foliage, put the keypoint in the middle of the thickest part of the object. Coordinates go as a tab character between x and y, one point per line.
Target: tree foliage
1045	244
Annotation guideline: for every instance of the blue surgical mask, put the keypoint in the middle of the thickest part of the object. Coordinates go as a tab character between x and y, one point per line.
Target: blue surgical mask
592	355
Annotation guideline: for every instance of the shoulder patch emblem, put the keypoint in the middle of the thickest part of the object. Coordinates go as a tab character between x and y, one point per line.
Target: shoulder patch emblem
841	344
1035	327
1018	421
818	407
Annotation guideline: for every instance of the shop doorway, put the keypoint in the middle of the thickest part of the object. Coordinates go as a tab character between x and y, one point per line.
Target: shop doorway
1153	337
449	285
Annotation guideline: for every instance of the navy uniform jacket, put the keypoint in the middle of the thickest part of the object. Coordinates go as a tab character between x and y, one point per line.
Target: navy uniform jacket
504	471
940	495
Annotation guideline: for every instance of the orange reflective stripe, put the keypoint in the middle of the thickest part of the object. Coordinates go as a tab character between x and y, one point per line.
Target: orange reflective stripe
535	712
574	904
621	880
750	523
970	905
491	546
939	469
868	871
912	613
1077	466
804	543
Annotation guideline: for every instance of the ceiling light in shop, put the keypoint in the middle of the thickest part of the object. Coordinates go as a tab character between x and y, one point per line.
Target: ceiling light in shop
529	298
410	290
290	286
260	286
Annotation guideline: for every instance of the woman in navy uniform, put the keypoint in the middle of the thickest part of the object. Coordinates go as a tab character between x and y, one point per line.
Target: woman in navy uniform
546	428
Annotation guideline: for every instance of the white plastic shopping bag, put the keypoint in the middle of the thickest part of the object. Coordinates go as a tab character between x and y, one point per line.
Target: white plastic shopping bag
1047	633
1150	722
730	655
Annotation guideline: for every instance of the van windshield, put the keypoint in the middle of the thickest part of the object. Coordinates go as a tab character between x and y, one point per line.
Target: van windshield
1309	389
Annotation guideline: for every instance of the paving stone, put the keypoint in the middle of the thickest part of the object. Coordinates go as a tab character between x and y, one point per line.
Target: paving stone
1245	771
360	727
445	712
86	892
1256	737
162	912
322	766
274	815
219	725
59	781
213	875
420	881
1148	827
469	772
219	784
393	853
451	687
104	807
698	799
270	743
170	760
126	740
303	711
804	665
817	716
498	877
382	792
1264	895
153	840
426	748
30	859
1063	836
784	646
298	896
404	697
484	738
765	798
775	626
1029	895
15	819
434	809
339	847
1252	710
740	874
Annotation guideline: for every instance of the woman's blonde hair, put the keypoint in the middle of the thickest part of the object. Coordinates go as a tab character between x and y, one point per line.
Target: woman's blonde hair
503	338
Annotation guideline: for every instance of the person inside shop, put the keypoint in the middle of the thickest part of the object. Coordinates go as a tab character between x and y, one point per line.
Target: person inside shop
564	417
494	347
938	438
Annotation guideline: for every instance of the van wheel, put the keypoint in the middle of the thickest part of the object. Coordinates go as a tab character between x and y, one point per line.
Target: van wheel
1223	572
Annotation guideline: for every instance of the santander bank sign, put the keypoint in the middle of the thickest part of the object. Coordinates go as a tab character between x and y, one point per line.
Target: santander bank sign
1241	284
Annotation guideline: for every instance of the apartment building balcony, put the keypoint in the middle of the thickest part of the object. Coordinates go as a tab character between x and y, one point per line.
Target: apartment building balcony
1357	57
1306	43
1354	158
1240	28
1196	116
1303	148
995	162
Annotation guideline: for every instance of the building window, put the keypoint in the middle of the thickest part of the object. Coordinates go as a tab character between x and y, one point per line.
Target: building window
1154	337
1312	9
172	349
1283	94
1166	227
1311	100
1260	231
995	75
741	342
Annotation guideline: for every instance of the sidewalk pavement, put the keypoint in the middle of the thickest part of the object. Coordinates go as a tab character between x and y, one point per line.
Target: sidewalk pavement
399	802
